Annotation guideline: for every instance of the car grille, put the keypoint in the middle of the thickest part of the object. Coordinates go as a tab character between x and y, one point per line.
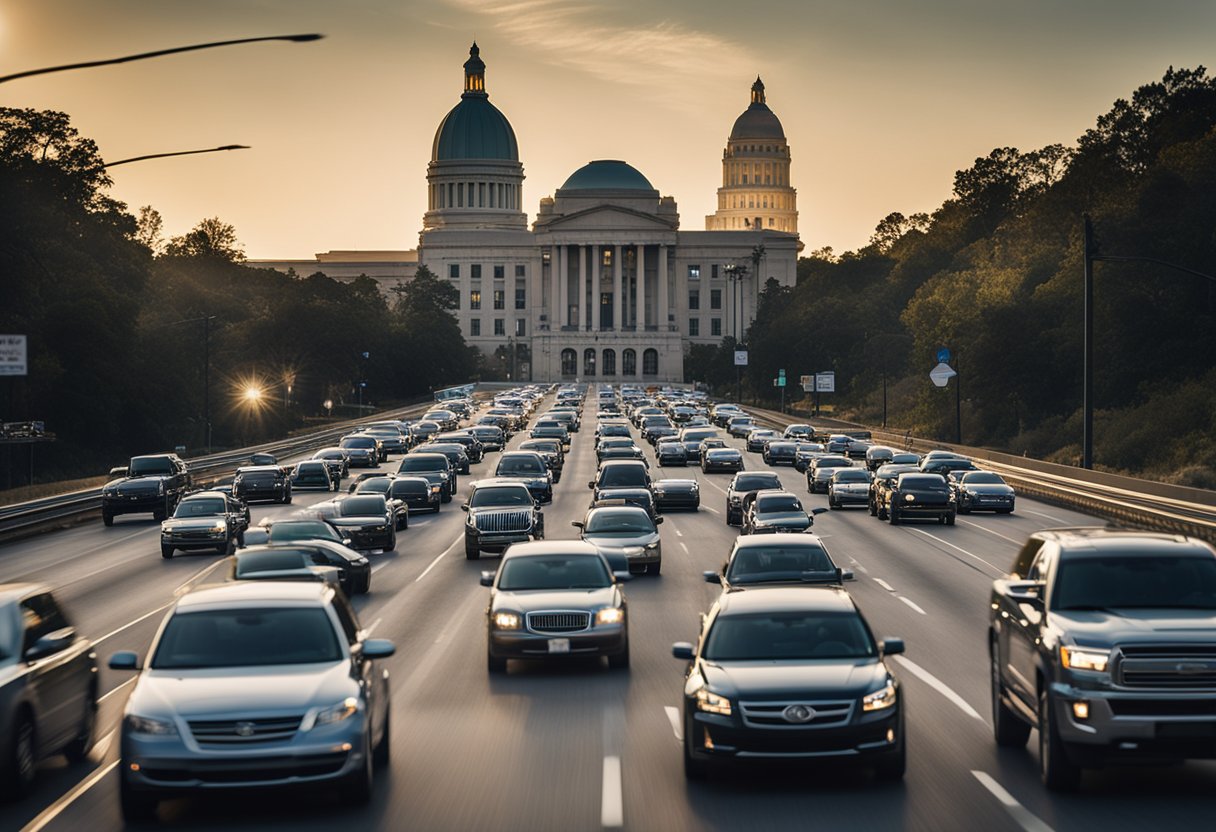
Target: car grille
242	731
1163	707
771	714
504	521
558	621
195	534
1168	666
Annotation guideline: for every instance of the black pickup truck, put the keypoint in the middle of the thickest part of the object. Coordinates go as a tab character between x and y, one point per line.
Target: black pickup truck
152	483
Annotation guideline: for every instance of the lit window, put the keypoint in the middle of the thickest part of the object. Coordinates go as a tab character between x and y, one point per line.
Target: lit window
499	299
520	326
475	299
694	272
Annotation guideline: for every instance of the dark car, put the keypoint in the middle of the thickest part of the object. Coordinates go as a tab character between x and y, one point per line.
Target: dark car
472	445
742	488
1103	640
433	467
780	453
150	484
653	428
454	451
603	430
982	491
807	452
500	512
362	450
555	599
529	468
293	529
262	482
391	439
671	451
905	458
624	532
820	472
947	466
337	460
446	419
798	431
205	520
354	569
880	486
620	473
721	460
676	494
551	430
789	672
551	451
919	496
491	437
48	686
878	455
368	520
313	475
383	485
417	493
694	437
781	558
422	430
758	438
776	511
849	486
741	426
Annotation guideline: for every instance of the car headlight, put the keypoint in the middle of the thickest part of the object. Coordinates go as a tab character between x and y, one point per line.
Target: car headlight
1079	658
435	489
880	699
219	526
507	620
345	709
610	615
712	703
360	562
650	547
152	727
909	497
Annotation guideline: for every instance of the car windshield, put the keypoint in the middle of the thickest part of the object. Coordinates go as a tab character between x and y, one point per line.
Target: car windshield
317	469
1151	580
851	475
983	478
619	521
334	454
359	506
546	445
403	487
756	482
303	530
520	465
622	476
778	504
268	560
722	452
789	635
697	433
200	508
905	459
554	572
505	496
415	462
359	442
247	638
616	443
929	482
833	462
155	465
756	564
374	485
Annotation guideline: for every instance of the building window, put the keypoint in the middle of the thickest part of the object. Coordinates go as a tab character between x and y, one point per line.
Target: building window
713	270
521	326
715	298
694	272
500	272
609	363
694	299
545	257
475	299
475	327
521	271
569	362
500	326
588	362
454	271
694	327
715	326
650	362
475	271
521	298
607	260
629	363
500	299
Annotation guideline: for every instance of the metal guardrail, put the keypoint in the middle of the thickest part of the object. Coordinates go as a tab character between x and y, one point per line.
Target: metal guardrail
1125	500
21	517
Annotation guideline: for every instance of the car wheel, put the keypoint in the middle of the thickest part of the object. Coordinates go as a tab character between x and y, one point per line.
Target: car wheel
873	509
136	807
358	790
166	552
831	501
21	764
1007	729
891	767
621	660
693	769
287	499
1058	772
365	586
471	552
950	519
1004	511
107	519
159	515
655	568
893	516
383	748
392	542
82	743
447	497
495	664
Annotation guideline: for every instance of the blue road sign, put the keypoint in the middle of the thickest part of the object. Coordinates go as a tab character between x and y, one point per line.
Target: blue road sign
943	355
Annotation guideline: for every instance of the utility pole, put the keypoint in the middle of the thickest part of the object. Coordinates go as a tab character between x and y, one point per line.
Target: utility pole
958	402
207	319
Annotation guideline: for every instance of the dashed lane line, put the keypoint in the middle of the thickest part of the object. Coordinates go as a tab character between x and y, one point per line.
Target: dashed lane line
1024	817
909	602
990	531
1050	517
684	546
938	685
55	809
130	624
612	806
884	584
439	557
673	716
110	693
996	569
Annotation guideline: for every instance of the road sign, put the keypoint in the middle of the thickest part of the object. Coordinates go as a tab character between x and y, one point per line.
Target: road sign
825	382
805	380
779	381
740	358
809	384
943	355
781	374
14	360
941	374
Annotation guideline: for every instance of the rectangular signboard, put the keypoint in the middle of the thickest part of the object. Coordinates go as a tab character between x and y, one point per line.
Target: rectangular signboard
13	356
740	358
825	382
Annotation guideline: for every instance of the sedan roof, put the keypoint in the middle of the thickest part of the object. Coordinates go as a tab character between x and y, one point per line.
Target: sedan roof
762	599
255	594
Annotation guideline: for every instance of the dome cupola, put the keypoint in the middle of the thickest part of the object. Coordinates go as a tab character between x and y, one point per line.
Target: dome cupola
474	128
757	121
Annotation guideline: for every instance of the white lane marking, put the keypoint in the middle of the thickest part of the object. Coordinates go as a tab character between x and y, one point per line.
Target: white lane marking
711	482
990	531
371	628
1020	813
673	716
684	546
712	510
379	566
108	694
852	560
55	809
912	605
992	566
185	585
102	746
678	533
612	807
1050	517
884	584
438	558
938	685
146	615
90	551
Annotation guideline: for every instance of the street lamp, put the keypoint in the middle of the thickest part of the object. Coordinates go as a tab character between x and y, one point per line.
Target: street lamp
176	153
735	275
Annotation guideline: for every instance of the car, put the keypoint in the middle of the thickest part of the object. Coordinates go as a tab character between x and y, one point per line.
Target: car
779	452
848	486
500	512
605	429
655	427
723	413
627	531
917	496
391	439
293	529
982	491
205	520
619	473
779	558
457	456
417	493
798	431
337	460
669	450
721	459
880	486
261	482
622	448
555	599
368	520
840	444
807	452
491	437
757	438
315	555
435	468
446	419
472	445
1102	639
551	430
906	458
530	468
790	672
551	451
878	455
742	488
149	484
821	469
776	511
379	476
567	416
694	437
422	430
254	684
947	466
362	450
676	494
48	686
740	426
383	485
313	475
640	497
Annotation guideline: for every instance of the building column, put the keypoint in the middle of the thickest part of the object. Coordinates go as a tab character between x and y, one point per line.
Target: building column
617	279
663	293
595	288
641	310
580	290
563	287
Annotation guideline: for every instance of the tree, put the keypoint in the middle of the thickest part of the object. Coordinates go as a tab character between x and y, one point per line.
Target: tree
148	228
211	239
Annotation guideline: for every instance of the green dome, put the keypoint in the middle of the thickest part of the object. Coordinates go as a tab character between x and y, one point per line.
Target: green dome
474	129
607	175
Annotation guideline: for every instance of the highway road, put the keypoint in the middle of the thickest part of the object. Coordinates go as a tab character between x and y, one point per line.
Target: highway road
580	747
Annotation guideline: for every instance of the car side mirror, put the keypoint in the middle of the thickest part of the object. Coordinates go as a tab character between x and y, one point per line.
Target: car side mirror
682	650
578	524
120	471
591	483
346	541
623	576
658	521
464	507
1026	592
817	510
891	646
50	644
124	660
378	648
845	574
711	577
487	578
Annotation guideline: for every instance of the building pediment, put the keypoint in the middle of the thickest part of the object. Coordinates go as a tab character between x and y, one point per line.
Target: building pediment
607	218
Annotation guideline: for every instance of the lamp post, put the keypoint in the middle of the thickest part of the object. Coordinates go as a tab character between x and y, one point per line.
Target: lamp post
735	275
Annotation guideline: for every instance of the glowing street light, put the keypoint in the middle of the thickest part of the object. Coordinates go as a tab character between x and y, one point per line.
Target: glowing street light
253	394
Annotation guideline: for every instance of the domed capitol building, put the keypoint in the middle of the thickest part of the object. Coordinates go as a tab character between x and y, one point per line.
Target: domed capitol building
604	286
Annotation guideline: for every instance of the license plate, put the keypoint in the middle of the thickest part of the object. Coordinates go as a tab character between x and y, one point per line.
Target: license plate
559	645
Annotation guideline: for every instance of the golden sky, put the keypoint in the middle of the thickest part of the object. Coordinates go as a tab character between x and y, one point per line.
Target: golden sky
882	100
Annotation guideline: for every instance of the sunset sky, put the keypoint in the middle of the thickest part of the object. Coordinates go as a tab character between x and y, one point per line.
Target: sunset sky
881	101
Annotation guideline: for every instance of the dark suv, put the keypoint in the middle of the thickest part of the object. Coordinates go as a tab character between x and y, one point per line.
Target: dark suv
501	512
918	496
1105	641
742	488
150	484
